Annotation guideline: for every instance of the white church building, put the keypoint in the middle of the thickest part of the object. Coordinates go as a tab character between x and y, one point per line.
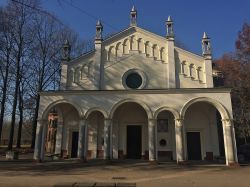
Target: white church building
138	96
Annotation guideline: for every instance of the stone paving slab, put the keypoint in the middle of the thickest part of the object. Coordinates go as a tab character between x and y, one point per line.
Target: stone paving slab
20	174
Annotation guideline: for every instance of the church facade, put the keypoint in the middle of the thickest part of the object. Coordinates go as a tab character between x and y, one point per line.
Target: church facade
137	96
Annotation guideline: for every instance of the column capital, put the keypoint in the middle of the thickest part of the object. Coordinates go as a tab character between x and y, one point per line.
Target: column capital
227	122
152	122
179	122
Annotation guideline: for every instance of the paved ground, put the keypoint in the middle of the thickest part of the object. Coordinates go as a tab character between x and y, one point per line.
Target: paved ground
26	173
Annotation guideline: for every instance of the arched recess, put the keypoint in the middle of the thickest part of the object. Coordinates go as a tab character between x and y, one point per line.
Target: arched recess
126	46
162	54
166	140
111	53
148	49
142	104
185	68
66	115
130	130
192	70
118	49
133	43
199	74
95	130
140	45
204	136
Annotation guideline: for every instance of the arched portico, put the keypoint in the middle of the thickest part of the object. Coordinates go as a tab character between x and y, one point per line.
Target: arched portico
194	125
135	119
66	128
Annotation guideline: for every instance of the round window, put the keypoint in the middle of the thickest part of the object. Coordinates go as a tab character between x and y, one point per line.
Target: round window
133	80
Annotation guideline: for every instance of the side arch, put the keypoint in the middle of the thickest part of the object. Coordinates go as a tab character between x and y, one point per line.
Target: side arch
165	108
222	110
62	101
142	104
104	113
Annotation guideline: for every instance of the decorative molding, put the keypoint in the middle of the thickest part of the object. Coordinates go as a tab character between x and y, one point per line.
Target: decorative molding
133	91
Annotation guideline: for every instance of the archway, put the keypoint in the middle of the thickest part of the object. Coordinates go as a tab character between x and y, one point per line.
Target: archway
166	144
130	131
57	136
203	134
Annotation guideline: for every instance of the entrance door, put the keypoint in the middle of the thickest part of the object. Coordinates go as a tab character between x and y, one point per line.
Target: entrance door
134	141
194	145
74	147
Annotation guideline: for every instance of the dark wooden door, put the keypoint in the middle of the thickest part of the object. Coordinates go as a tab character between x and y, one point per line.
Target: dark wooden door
134	142
74	147
194	145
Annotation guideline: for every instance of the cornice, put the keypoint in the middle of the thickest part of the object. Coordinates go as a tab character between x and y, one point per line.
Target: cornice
151	91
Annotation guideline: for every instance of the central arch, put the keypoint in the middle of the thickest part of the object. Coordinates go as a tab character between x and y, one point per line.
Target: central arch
130	129
141	103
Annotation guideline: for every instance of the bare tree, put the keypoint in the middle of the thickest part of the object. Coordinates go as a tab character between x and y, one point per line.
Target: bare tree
22	33
5	60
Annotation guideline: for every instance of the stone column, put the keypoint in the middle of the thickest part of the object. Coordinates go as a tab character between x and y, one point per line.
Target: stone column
82	140
179	140
38	142
59	137
229	142
152	140
44	134
107	139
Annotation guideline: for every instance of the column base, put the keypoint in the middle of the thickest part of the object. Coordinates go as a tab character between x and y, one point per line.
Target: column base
108	161
35	161
183	162
82	160
234	165
153	162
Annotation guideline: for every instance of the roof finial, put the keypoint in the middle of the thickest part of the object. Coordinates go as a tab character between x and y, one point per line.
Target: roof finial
66	50
205	35
170	28
99	29
169	19
133	17
206	46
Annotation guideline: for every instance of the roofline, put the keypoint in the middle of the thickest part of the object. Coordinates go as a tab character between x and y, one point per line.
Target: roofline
145	91
189	52
81	56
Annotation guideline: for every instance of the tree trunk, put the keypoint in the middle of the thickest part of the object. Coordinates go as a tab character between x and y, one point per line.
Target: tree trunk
19	135
5	86
34	123
13	115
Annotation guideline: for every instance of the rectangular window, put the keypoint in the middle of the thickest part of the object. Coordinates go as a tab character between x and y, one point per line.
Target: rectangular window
162	125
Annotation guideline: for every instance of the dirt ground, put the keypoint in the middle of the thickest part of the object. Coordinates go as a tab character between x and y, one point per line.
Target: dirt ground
27	173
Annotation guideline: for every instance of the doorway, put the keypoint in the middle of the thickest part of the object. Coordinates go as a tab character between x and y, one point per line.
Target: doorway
194	145
74	147
134	142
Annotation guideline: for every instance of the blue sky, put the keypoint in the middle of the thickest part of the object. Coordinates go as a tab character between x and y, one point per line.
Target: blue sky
221	19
